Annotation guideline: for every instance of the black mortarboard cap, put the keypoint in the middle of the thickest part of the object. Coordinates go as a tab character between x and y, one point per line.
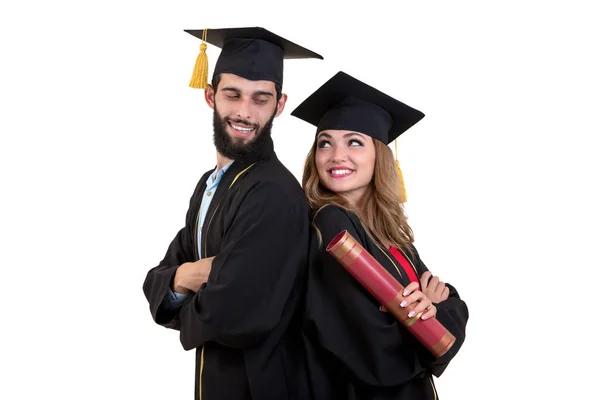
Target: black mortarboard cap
252	53
344	102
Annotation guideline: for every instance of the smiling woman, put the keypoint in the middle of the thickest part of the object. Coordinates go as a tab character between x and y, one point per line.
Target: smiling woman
356	349
345	161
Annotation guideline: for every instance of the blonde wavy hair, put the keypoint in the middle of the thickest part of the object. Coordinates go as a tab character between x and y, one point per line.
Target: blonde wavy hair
381	210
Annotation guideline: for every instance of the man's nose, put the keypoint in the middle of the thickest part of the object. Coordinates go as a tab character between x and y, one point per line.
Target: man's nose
244	107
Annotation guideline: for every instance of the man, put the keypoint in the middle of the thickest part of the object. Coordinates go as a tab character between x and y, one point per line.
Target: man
231	280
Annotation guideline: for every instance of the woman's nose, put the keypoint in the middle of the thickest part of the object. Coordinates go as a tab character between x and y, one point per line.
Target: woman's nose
339	154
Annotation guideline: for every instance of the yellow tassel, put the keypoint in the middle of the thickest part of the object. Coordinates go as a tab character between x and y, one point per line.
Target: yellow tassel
403	196
200	75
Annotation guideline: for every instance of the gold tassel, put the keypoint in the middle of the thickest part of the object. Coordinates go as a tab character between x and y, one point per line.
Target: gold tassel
200	75
403	196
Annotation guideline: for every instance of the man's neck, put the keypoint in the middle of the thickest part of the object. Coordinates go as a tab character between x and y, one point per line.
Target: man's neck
221	162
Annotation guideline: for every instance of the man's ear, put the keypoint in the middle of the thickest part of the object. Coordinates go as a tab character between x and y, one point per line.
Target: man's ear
209	96
281	104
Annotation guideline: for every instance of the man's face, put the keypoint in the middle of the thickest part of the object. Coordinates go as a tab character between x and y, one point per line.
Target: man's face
243	114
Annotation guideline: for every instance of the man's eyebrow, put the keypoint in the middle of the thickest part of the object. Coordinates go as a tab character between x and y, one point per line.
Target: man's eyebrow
262	93
231	89
257	93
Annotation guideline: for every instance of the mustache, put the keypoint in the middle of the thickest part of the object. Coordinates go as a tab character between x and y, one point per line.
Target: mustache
241	121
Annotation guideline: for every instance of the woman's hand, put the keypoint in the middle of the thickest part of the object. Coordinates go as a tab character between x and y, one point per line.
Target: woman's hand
412	295
433	288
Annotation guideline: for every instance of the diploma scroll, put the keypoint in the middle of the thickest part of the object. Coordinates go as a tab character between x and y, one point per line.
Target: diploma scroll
388	291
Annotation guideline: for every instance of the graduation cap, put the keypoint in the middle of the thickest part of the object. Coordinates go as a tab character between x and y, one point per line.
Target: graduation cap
252	53
344	102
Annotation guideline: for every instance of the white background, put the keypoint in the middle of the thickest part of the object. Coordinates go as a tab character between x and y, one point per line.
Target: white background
102	143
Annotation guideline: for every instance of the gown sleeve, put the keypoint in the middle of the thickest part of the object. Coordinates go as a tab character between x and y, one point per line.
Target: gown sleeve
262	256
345	320
159	279
452	314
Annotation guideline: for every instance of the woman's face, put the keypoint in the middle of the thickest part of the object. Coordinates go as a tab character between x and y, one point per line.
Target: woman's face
345	162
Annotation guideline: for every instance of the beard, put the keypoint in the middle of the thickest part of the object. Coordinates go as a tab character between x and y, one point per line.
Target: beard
235	148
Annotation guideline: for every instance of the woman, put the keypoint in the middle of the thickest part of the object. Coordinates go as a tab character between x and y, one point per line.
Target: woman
356	350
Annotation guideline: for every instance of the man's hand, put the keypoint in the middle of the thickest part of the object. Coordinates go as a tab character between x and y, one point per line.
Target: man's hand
191	275
434	289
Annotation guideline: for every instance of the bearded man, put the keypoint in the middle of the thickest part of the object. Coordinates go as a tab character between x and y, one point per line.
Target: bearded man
232	278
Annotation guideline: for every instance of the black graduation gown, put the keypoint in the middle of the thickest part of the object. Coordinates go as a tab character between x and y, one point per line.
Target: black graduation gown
354	350
245	321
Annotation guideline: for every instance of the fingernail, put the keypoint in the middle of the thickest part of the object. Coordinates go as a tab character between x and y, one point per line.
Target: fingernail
405	293
403	304
380	308
424	317
411	314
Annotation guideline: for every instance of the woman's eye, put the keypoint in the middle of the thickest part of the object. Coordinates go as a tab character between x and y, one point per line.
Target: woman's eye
323	143
355	143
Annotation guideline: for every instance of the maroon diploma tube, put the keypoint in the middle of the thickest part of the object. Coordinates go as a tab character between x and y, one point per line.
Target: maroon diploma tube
388	291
